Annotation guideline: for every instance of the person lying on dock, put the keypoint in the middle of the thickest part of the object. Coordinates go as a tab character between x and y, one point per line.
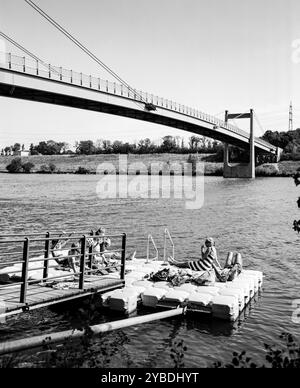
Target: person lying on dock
209	261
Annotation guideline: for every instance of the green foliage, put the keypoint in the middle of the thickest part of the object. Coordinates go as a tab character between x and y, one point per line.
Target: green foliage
89	352
85	147
239	360
296	225
178	350
27	167
49	147
9	361
16	166
82	171
52	168
287	357
288	141
48	169
267	170
169	144
16	147
32	150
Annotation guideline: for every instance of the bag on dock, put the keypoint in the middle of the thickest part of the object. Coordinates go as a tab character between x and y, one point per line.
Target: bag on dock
205	278
160	276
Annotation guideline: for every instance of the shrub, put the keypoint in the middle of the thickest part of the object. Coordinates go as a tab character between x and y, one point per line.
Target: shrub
44	169
277	358
218	171
27	167
52	168
48	169
296	156
82	171
267	170
15	166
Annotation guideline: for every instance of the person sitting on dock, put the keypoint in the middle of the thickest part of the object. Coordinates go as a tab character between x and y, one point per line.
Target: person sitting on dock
209	261
208	256
57	246
73	257
101	243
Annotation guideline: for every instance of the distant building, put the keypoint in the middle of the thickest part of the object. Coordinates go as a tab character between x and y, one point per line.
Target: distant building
22	153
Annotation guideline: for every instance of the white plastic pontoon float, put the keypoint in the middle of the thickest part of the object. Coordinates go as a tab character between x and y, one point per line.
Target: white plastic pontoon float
223	301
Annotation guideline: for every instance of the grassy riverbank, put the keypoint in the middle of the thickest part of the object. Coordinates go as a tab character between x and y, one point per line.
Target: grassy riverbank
69	164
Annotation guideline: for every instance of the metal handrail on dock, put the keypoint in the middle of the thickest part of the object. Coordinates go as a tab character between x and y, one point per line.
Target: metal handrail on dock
151	240
85	258
167	236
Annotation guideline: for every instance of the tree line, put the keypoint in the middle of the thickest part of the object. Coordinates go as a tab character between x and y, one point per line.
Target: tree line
168	144
288	141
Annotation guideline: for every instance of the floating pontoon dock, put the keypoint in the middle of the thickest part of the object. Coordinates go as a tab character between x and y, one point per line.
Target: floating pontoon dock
224	301
39	281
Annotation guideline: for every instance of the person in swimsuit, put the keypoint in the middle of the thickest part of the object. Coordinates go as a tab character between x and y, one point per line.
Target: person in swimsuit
100	246
209	260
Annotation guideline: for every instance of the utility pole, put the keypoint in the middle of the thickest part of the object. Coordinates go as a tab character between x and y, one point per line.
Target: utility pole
291	126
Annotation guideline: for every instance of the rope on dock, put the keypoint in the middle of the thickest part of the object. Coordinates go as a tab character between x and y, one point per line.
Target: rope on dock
39	341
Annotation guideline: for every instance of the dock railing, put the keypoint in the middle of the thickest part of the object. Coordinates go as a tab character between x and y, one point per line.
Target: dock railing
149	242
167	236
36	249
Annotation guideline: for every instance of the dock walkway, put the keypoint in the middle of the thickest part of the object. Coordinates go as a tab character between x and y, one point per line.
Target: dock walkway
39	295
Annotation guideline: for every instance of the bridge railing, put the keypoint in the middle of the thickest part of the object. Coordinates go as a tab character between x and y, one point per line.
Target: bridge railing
32	67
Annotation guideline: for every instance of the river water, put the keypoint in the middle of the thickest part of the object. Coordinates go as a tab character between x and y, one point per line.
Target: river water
252	217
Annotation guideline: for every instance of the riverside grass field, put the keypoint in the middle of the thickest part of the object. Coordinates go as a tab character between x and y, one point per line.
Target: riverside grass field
70	163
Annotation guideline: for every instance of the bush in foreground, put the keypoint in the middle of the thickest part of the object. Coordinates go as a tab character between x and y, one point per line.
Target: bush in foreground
287	357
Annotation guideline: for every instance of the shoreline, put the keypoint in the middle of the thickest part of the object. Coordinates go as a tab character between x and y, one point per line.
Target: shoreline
258	175
138	164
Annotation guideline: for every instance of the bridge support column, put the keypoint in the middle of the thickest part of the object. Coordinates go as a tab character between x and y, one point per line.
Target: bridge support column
241	170
278	154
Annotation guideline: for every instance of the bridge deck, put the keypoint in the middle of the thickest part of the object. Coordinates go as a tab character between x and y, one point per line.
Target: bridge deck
26	79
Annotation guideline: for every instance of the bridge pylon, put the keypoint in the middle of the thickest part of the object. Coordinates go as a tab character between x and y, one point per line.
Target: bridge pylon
241	170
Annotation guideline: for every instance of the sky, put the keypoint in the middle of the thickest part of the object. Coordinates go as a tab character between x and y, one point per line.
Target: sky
212	55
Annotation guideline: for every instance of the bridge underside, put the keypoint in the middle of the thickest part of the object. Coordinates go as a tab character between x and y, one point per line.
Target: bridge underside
161	117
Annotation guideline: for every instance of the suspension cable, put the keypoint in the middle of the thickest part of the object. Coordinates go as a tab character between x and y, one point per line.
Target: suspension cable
83	48
20	47
259	124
